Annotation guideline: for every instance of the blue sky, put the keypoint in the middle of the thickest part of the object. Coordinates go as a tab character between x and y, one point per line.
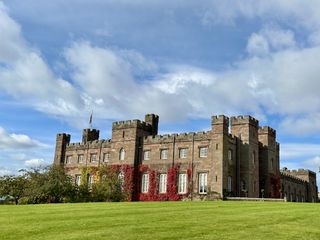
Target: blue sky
184	60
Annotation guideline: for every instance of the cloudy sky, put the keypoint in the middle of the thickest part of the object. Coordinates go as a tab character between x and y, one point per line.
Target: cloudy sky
184	60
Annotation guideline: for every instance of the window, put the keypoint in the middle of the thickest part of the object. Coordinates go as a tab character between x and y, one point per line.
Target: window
203	183
78	180
230	155
254	157
106	157
254	186
243	186
164	154
203	152
163	183
182	185
271	163
146	155
122	154
121	178
90	181
217	146
80	158
93	157
229	184
68	159
145	183
183	153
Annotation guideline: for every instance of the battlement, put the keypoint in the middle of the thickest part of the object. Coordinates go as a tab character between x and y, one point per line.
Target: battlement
244	120
178	137
292	177
92	144
135	123
220	119
300	171
63	135
267	130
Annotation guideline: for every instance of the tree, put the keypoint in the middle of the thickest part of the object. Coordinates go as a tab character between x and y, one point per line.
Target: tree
108	187
13	186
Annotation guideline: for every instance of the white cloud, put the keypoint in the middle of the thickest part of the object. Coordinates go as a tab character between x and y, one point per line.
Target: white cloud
36	163
278	77
4	171
270	38
16	141
291	151
26	76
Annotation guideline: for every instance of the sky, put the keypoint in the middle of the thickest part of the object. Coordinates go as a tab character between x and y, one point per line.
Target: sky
183	60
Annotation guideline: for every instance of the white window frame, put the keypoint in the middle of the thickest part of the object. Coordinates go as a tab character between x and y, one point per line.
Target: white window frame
229	184
68	159
121	178
203	183
106	157
164	154
122	154
254	157
146	155
162	183
182	183
92	158
90	181
78	180
203	152
145	183
230	155
183	152
80	158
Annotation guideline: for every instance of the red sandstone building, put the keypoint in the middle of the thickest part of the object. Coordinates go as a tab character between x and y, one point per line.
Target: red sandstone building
237	157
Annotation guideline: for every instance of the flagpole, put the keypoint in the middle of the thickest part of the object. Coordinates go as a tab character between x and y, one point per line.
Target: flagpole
90	120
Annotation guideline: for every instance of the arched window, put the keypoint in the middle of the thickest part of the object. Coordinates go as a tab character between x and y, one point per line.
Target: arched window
122	154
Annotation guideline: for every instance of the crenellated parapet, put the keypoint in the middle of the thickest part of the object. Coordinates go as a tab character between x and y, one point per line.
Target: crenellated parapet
104	143
136	123
240	120
182	137
291	178
267	130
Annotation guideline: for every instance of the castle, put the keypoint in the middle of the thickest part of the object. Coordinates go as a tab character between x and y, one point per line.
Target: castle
236	157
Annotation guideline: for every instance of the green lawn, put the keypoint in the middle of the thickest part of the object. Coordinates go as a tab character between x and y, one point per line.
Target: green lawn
161	220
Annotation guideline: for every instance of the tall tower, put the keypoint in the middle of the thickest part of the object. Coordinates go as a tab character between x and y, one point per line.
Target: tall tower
246	129
269	163
219	133
62	140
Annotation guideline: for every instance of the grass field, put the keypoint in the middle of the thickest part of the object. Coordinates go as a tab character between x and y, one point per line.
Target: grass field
161	220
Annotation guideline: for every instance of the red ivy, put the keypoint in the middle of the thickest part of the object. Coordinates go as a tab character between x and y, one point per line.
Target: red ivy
172	180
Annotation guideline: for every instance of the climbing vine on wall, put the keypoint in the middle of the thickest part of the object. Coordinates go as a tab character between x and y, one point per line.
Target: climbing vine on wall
172	187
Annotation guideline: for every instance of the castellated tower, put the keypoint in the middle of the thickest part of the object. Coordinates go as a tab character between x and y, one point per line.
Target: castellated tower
269	163
153	121
219	144
128	135
246	129
62	140
89	135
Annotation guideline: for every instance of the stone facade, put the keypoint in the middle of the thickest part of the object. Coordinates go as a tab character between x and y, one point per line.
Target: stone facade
236	157
299	185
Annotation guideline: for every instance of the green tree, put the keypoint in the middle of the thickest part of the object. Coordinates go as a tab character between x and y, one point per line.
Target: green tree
13	186
108	187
